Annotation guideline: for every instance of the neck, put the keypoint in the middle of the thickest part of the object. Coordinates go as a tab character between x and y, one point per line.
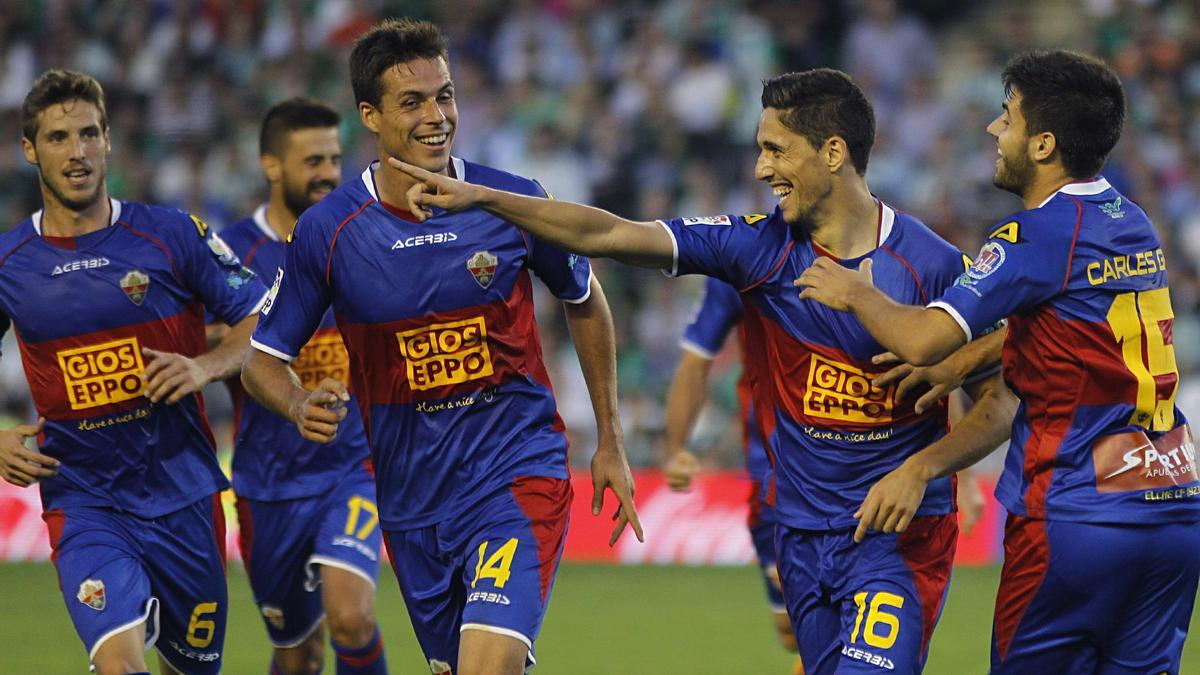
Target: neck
60	221
392	184
847	225
1044	184
279	217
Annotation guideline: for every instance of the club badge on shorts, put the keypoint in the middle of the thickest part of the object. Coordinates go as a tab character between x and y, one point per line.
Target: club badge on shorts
482	266
135	284
91	593
274	616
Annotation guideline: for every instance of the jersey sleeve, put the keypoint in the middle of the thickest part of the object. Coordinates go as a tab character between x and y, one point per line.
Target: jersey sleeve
210	269
1021	265
298	297
717	313
567	275
729	248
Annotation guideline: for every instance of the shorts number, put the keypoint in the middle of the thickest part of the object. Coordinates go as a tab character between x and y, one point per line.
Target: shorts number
206	626
357	505
876	616
497	565
1142	323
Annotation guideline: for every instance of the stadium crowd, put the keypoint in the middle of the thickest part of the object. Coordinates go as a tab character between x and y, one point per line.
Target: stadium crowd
644	108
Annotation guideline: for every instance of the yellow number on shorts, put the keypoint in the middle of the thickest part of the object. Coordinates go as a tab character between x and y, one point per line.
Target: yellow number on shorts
497	565
206	626
357	505
876	616
1136	320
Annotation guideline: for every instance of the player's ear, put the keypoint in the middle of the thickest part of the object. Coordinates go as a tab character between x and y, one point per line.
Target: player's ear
1042	146
29	151
835	153
369	115
271	168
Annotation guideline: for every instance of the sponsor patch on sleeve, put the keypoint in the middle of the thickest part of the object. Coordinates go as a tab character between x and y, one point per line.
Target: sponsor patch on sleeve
708	220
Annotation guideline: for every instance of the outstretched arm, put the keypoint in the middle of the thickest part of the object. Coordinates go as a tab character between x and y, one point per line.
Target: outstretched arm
685	398
591	326
573	227
919	335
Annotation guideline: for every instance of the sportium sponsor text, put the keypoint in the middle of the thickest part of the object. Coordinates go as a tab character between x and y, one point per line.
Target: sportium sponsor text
102	374
842	392
446	353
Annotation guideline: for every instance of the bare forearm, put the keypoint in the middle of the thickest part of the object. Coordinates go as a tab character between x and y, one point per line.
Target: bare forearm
980	431
979	354
582	229
225	359
685	398
918	335
273	384
591	327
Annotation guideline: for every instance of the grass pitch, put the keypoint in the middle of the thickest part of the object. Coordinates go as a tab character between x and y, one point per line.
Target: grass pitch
603	620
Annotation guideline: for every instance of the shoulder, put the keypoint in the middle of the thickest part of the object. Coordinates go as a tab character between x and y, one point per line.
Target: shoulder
241	233
501	180
920	246
345	203
1055	222
163	223
16	236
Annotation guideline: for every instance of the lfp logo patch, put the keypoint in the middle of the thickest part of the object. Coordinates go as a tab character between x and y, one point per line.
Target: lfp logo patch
91	593
990	258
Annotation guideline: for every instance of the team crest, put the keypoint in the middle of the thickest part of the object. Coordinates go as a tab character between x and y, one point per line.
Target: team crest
91	593
482	266
135	284
274	616
439	667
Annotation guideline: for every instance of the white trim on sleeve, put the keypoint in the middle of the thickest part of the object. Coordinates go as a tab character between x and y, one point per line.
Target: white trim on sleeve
586	294
270	350
674	272
689	346
962	323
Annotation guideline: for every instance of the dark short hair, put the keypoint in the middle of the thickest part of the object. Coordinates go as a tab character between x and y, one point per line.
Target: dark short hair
1074	96
387	43
822	103
290	115
60	86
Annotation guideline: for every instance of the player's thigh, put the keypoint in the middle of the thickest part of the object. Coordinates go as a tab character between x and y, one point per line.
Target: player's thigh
277	541
103	581
346	551
815	619
1152	625
433	593
763	537
895	586
184	557
512	555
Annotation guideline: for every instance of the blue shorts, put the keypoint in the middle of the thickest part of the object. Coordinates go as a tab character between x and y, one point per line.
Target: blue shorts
491	568
762	534
868	607
284	541
117	570
1094	598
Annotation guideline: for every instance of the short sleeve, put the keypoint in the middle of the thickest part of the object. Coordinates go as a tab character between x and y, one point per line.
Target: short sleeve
1020	266
567	275
717	313
230	292
298	297
730	248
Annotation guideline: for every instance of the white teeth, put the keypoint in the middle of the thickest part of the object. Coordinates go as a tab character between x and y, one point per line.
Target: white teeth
434	140
781	191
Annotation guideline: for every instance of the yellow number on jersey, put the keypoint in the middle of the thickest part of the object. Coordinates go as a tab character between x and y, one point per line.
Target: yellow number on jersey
198	625
497	565
876	616
357	505
1136	320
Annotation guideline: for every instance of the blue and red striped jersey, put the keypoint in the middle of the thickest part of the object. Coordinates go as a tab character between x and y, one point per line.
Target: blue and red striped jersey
1097	437
271	460
831	434
444	351
717	314
83	309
